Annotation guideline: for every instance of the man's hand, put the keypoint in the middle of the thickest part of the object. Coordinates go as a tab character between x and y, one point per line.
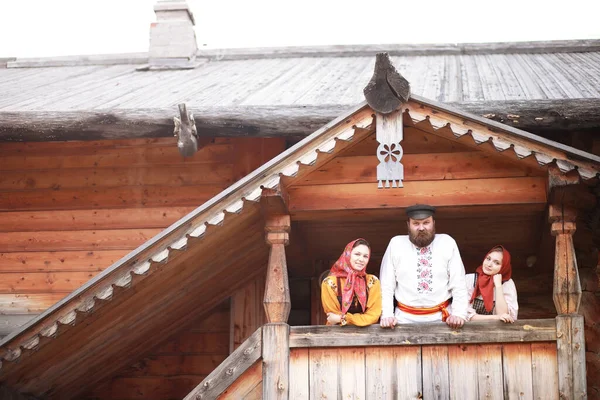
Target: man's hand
388	322
497	280
455	322
506	318
333	318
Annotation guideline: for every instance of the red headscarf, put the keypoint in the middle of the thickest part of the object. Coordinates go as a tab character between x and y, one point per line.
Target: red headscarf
355	280
485	283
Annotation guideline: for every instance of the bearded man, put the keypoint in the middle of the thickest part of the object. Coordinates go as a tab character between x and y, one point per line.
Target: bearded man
422	274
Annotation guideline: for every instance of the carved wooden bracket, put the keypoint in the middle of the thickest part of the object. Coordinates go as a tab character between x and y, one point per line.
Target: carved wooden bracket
185	132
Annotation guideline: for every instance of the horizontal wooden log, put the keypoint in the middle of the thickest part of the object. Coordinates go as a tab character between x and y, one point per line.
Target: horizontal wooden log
9	323
437	193
265	121
117	218
27	303
146	388
426	333
110	157
195	342
109	239
232	368
119	197
59	261
171	365
165	175
39	282
419	167
398	214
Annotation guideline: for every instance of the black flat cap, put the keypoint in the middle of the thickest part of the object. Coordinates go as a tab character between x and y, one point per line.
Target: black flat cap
420	211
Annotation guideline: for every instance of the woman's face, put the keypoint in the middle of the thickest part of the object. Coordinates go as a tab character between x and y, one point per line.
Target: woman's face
359	257
492	263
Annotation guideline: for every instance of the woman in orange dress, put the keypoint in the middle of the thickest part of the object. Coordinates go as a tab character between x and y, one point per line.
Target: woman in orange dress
349	295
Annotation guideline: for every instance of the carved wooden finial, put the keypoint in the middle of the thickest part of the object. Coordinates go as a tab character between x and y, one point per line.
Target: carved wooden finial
185	132
387	89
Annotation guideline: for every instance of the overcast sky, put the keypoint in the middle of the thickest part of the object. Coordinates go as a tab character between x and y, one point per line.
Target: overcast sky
40	28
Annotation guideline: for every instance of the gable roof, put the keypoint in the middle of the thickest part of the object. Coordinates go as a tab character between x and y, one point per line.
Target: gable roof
156	285
47	96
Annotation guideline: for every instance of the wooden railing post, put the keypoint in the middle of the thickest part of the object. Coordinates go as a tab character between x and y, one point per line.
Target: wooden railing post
276	333
565	198
567	287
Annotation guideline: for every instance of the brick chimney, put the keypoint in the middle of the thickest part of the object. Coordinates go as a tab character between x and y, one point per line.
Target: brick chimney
172	37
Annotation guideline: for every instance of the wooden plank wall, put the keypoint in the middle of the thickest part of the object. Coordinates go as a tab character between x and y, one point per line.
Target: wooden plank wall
68	210
174	368
490	371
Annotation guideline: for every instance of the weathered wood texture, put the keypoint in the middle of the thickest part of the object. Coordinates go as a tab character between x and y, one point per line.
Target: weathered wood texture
465	371
173	368
433	333
267	121
276	361
571	356
248	386
68	210
247	311
229	370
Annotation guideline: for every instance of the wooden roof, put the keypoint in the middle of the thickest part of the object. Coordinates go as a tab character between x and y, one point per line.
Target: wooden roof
134	303
307	85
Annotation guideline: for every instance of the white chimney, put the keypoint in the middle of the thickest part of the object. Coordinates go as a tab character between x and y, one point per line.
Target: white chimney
172	37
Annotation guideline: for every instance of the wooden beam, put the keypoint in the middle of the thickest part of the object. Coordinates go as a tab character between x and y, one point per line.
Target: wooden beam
527	190
275	201
276	361
7	393
229	370
432	333
266	121
571	356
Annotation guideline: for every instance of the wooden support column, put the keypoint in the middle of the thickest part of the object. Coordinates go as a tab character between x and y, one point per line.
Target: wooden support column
570	345
567	287
566	196
275	348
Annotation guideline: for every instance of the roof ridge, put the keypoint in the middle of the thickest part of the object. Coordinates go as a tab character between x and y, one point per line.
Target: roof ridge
360	50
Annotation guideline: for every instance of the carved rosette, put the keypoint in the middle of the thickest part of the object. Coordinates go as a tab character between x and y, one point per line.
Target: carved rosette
390	171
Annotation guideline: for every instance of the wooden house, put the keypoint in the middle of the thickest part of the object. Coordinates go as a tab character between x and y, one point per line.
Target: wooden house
90	171
265	239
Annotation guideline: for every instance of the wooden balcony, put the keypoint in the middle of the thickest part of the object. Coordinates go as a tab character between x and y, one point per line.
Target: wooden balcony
541	359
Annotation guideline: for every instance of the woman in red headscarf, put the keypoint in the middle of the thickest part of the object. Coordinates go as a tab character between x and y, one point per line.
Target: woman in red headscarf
493	293
349	295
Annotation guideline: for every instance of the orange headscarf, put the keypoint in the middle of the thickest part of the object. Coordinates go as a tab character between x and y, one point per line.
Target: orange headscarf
485	283
355	280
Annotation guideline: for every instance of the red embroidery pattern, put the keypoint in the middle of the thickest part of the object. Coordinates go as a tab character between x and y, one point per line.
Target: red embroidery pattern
424	273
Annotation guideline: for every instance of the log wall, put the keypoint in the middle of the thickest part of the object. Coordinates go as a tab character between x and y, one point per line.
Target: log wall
68	210
175	367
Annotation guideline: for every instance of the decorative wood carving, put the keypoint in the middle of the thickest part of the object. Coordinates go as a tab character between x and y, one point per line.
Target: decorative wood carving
277	291
562	214
389	134
185	132
387	89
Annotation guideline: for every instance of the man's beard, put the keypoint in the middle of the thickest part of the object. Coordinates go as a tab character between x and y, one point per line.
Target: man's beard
422	239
